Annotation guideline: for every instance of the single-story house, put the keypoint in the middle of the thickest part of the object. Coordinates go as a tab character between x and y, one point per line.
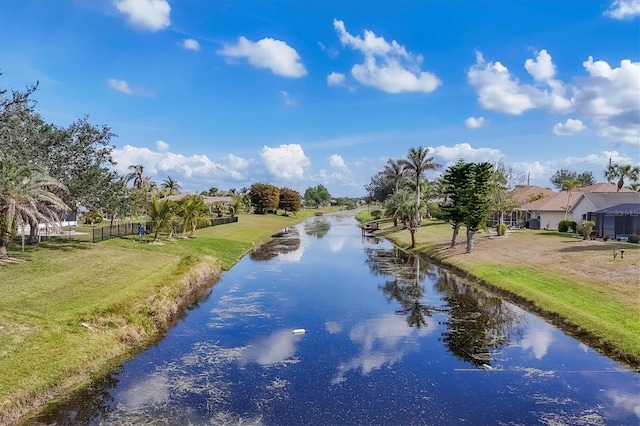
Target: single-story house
617	222
589	202
521	195
549	211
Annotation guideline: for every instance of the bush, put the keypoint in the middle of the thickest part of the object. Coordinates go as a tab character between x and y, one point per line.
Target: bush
634	238
573	226
586	227
376	214
502	228
563	226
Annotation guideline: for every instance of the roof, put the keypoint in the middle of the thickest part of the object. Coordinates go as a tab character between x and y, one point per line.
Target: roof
558	202
626	209
523	194
603	200
207	199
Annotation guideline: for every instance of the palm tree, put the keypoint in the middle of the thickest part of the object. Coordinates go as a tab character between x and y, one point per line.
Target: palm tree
417	163
635	186
409	211
25	196
194	212
160	213
622	172
393	205
569	185
135	175
394	170
171	185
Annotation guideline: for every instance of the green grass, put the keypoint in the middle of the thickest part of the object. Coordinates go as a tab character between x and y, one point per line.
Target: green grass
585	308
127	291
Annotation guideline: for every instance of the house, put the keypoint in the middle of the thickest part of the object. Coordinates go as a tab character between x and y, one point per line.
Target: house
212	202
619	221
521	195
590	202
549	211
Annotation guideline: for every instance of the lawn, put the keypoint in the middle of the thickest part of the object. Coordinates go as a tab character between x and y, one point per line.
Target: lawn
577	284
72	310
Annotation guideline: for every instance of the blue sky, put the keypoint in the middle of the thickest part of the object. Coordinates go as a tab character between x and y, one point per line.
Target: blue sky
298	93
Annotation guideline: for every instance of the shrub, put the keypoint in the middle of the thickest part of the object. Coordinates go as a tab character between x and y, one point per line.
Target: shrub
573	226
586	227
563	226
376	214
501	228
634	238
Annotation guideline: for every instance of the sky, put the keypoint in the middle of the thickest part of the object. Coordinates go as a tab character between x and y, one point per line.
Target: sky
296	93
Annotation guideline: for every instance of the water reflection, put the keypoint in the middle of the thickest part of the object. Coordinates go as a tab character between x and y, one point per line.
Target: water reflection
317	227
478	324
392	340
286	241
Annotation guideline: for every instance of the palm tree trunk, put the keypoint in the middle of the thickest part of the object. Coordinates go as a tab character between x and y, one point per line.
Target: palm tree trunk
413	237
566	212
5	240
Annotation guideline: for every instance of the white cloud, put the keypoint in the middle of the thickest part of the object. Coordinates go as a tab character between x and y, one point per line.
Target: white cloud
191	44
541	68
287	99
237	163
152	15
570	127
451	154
121	86
276	55
286	161
387	66
498	90
624	9
534	169
162	146
186	168
538	340
336	79
337	162
607	97
474	123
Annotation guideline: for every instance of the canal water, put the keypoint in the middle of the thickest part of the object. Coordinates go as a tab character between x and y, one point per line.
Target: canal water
389	339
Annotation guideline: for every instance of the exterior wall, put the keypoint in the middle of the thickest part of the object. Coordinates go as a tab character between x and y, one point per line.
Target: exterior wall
550	220
581	208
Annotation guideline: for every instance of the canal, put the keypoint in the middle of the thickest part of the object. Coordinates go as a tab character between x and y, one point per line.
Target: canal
388	339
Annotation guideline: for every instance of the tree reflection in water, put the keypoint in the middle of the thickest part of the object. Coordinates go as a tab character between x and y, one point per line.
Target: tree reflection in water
405	287
283	242
317	227
478	324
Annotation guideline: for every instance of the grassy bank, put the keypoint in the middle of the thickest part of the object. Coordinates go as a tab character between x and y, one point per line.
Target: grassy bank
578	285
73	310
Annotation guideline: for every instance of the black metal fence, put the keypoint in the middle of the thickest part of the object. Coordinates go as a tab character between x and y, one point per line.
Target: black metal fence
122	230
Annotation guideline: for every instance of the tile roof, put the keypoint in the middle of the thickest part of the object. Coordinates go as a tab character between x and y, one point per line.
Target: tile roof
558	202
524	193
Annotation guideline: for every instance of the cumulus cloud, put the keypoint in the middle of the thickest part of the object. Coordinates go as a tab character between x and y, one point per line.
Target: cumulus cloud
387	66
624	9
269	53
152	15
499	90
336	79
569	127
237	163
287	161
120	85
157	164
337	162
162	146
451	154
191	44
474	123
607	97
